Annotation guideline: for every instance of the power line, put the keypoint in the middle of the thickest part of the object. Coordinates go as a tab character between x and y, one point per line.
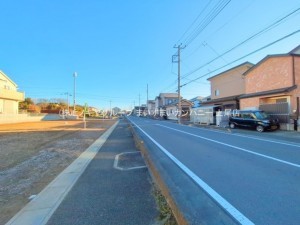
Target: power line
269	27
218	29
276	23
207	20
194	21
268	45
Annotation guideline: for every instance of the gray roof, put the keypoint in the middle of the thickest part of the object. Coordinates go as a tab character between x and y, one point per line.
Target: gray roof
295	51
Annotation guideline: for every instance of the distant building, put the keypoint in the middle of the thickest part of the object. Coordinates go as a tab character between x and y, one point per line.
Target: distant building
151	107
162	101
116	110
9	96
196	101
172	112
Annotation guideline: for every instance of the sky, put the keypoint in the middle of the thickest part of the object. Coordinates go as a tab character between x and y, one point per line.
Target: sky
117	48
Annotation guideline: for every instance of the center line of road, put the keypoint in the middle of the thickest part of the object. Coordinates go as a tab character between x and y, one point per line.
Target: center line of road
218	198
232	146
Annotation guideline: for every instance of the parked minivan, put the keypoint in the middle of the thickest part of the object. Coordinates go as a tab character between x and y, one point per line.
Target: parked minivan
256	119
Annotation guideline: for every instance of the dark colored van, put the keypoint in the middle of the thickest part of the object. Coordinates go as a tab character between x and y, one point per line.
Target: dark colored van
256	119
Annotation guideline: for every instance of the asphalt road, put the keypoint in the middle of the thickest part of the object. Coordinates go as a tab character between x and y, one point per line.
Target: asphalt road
255	180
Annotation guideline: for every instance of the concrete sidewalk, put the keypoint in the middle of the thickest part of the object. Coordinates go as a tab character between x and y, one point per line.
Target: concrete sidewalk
110	185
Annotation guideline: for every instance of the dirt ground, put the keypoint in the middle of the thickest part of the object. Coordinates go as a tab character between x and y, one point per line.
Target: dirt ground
33	154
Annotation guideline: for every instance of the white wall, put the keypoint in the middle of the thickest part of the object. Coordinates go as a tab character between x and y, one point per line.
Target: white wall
11	118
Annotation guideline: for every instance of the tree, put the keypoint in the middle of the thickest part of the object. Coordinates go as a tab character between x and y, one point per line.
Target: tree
26	104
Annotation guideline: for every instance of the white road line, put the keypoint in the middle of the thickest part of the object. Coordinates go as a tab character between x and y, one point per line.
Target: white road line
218	198
116	162
235	147
250	137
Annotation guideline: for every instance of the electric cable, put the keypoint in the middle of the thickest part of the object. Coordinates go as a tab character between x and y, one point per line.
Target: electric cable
257	50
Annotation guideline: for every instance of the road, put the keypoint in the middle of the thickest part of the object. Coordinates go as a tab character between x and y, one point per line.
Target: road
255	180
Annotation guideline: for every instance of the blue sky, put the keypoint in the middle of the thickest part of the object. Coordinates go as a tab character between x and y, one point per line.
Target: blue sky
117	47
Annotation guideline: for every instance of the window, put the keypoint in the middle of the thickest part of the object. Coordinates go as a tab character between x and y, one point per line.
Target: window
217	92
280	100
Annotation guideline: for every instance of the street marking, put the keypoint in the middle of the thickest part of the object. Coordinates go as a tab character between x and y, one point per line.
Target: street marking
218	198
232	146
116	162
250	137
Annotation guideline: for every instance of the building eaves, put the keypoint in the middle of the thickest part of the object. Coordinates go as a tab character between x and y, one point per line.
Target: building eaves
243	64
175	103
263	60
8	78
270	92
220	100
295	51
168	95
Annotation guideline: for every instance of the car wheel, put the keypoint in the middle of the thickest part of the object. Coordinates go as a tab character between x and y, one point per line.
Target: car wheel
231	125
260	128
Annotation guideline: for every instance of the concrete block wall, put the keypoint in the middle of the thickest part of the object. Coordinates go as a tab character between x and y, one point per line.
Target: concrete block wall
19	118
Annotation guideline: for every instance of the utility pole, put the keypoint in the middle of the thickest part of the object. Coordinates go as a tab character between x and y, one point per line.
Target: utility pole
74	96
139	104
68	103
110	109
147	97
179	48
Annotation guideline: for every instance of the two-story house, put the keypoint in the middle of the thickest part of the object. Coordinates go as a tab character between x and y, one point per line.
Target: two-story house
9	96
226	87
162	100
273	85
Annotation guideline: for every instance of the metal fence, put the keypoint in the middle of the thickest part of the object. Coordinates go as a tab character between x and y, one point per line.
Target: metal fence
277	110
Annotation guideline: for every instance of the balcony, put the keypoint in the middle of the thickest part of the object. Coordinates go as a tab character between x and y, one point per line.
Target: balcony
11	95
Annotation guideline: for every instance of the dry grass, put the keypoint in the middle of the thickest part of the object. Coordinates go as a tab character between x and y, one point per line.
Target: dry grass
33	154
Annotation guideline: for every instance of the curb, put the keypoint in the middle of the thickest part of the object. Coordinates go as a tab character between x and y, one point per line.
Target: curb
41	208
158	180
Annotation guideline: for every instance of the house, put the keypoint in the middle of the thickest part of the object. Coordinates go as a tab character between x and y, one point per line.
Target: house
9	96
196	101
140	110
165	99
162	100
273	85
172	112
151	107
226	87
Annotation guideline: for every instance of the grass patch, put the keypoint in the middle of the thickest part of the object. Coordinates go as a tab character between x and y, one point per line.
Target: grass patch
166	216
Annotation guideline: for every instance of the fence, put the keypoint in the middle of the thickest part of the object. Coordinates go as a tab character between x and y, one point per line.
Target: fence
202	115
277	110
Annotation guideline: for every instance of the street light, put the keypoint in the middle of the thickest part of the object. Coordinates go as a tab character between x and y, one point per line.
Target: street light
74	96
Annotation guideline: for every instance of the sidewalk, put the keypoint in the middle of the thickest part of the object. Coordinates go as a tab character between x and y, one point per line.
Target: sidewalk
110	185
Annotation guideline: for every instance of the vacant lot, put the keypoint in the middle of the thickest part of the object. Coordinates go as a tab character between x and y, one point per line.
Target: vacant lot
33	154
